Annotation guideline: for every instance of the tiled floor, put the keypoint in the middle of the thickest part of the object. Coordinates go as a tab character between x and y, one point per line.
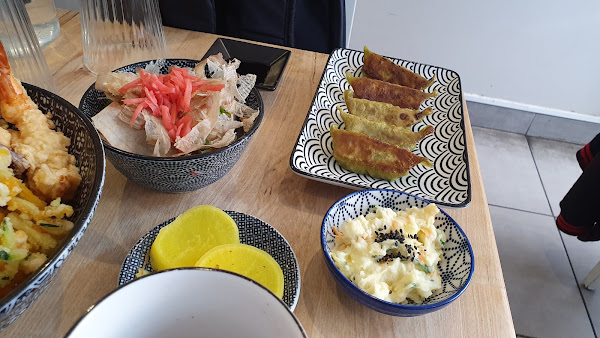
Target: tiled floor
525	178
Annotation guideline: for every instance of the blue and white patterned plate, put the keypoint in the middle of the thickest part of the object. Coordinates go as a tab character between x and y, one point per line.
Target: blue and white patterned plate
456	265
253	231
446	183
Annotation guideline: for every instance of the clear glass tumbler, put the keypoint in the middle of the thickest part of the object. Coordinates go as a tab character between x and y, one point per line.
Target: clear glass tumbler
120	32
42	14
27	61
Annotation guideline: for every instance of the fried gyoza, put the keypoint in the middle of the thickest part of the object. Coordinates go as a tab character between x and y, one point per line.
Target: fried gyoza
379	68
366	155
384	112
398	136
375	90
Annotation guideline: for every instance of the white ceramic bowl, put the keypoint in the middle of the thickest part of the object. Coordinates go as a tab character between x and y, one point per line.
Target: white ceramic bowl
189	302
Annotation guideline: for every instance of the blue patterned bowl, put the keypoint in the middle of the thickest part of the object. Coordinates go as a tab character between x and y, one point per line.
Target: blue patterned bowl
87	149
172	174
253	231
456	265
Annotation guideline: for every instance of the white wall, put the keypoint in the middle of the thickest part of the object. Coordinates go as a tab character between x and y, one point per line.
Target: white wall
350	8
536	55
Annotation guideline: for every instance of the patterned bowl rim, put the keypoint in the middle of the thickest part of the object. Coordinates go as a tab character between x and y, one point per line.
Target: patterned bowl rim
431	306
140	242
80	224
88	311
246	135
463	204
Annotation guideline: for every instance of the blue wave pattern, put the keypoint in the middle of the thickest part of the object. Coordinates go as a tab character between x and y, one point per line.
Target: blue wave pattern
447	182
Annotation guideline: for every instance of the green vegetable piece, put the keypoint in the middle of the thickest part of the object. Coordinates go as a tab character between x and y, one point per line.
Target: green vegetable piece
424	268
223	111
441	236
18	254
8	234
4	255
48	225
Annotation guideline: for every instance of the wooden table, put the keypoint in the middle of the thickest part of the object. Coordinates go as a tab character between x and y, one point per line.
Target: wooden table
261	184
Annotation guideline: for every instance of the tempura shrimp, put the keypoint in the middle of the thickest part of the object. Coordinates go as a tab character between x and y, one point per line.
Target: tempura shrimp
52	171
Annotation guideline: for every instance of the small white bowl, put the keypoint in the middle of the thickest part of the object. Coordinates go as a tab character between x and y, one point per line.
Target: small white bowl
189	302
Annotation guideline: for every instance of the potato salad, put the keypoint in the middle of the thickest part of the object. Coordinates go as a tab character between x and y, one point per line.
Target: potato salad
392	255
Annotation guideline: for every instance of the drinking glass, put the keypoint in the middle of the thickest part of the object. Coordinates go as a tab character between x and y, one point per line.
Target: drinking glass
42	14
120	32
22	47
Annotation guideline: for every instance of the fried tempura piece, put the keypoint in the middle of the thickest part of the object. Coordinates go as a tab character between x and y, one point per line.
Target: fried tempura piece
375	90
384	112
398	136
380	68
52	171
4	136
366	155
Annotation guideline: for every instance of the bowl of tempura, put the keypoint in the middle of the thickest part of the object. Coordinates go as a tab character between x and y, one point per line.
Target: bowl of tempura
51	177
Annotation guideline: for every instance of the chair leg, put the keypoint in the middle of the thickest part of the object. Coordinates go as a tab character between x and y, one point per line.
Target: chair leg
592	281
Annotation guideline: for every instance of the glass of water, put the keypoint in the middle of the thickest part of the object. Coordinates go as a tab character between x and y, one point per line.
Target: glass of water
120	32
42	14
22	47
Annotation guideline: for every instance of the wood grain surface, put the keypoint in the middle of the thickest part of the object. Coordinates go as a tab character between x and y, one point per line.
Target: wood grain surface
261	184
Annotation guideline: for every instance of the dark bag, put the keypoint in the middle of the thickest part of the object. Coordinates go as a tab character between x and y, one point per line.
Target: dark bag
580	208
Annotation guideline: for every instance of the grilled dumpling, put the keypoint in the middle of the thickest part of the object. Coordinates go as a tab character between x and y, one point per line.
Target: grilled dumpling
383	112
398	136
377	67
375	90
362	154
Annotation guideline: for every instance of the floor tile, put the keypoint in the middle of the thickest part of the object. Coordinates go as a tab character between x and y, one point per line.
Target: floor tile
509	174
557	166
584	256
558	128
499	118
542	292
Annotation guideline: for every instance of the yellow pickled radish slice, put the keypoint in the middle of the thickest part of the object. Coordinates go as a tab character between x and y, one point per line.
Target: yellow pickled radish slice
247	261
190	236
